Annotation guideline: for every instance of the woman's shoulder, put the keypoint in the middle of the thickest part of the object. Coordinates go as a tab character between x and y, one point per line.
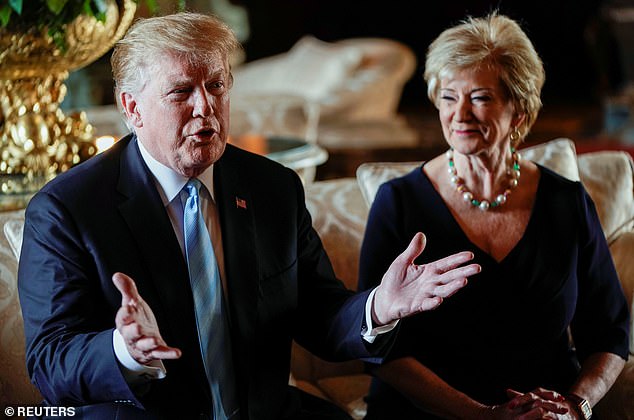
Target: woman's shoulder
555	181
397	176
400	190
560	192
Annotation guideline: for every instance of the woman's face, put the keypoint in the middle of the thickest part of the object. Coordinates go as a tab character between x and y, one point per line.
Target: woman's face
475	112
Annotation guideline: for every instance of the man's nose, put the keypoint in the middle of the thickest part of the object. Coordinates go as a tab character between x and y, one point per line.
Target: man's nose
203	104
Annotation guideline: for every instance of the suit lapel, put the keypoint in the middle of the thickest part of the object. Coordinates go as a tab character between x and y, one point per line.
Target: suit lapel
235	208
149	223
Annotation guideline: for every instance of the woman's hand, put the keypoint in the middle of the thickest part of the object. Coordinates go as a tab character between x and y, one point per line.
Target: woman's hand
538	404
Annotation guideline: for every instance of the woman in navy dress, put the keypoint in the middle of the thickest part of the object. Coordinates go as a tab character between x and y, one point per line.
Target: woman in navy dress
542	331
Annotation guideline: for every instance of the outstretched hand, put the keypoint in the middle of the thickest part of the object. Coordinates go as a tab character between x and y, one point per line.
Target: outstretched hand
407	288
137	325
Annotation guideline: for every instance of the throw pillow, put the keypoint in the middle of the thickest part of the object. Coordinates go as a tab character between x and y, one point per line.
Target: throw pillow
608	178
13	232
558	155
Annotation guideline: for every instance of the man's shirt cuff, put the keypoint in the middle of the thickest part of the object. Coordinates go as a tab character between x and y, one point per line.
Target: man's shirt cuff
368	332
134	372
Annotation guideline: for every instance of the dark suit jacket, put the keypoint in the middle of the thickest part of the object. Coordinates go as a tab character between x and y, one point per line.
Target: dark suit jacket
106	215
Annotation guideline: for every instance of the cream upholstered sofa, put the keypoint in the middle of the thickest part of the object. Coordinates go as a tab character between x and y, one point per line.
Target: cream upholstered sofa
339	208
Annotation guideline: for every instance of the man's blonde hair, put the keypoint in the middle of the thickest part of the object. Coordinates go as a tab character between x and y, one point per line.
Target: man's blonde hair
195	37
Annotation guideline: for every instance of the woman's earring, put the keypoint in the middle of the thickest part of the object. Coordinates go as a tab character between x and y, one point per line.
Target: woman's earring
515	135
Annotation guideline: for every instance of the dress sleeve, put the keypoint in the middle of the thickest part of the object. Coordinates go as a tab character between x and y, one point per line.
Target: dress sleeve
601	319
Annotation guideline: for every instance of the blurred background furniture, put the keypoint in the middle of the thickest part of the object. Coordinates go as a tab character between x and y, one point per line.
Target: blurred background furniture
350	79
338	94
295	153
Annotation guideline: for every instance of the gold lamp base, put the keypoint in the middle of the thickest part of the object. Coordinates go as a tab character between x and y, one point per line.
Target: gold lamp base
37	140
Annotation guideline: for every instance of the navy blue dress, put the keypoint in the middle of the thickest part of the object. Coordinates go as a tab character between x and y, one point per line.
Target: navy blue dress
508	328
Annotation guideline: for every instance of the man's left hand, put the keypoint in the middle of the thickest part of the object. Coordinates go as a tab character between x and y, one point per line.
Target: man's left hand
407	288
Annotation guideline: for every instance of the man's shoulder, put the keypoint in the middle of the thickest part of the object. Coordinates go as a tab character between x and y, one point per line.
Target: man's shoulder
95	174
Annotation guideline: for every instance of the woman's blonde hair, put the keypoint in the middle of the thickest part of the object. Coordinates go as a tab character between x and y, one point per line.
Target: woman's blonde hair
195	37
495	42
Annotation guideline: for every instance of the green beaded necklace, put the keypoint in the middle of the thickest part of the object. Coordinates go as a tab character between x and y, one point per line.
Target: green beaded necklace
484	205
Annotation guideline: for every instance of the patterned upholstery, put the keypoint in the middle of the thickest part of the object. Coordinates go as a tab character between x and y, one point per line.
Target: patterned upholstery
341	225
14	383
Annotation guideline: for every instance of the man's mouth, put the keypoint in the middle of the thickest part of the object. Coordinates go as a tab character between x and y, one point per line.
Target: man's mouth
203	135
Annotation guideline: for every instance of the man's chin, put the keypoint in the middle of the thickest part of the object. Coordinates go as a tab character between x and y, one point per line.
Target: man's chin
198	166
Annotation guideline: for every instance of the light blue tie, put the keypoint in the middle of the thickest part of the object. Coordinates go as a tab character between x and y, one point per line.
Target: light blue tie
211	318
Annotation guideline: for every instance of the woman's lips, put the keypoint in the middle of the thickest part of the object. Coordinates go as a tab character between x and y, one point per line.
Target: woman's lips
465	132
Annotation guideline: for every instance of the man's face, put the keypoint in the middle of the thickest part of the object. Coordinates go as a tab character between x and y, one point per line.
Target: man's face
181	115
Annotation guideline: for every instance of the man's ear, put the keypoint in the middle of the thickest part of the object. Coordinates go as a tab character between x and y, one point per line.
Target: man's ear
129	105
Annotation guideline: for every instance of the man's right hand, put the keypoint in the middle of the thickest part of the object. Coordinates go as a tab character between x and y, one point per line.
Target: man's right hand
137	325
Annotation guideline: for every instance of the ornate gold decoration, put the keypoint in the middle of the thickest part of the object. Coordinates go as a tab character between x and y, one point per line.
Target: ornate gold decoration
37	141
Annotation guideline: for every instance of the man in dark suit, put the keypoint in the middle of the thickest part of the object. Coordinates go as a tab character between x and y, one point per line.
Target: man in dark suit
111	319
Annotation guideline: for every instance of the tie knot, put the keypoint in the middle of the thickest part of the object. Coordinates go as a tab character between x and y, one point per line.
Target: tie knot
193	187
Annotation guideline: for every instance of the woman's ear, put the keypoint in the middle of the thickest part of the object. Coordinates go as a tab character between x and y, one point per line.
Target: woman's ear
519	118
131	109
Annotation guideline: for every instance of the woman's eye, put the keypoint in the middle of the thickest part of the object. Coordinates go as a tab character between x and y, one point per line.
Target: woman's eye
482	98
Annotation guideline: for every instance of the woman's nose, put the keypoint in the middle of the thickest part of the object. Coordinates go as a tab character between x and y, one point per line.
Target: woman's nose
463	110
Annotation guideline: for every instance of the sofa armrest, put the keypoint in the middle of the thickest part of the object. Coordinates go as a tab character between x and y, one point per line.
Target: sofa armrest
15	387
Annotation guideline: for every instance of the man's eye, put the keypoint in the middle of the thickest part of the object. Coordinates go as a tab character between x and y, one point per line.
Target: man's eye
180	91
216	85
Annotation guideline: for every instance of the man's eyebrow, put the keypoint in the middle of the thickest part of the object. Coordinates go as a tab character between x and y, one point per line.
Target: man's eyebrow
178	81
185	80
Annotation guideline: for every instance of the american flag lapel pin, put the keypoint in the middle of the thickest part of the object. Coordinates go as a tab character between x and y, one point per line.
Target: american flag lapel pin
241	203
